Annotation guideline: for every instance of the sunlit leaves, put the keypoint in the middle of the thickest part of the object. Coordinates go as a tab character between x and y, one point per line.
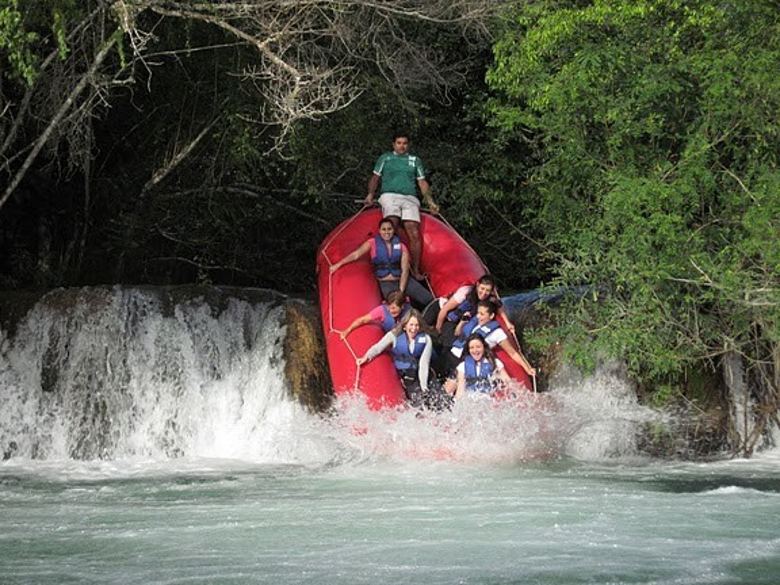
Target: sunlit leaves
657	131
16	42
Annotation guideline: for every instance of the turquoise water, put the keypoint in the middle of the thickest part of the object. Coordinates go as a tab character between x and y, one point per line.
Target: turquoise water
224	521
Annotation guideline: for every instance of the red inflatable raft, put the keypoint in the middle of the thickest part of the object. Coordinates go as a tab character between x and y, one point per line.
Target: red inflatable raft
352	291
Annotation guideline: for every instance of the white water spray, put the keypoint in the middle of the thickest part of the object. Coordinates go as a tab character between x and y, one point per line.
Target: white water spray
118	373
599	412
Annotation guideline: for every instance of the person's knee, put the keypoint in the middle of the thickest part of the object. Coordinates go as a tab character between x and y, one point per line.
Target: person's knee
412	229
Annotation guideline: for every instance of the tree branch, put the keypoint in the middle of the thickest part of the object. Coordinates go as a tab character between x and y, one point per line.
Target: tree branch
60	114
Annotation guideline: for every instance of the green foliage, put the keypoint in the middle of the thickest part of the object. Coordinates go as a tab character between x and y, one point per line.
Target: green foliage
61	14
664	396
656	126
16	42
27	30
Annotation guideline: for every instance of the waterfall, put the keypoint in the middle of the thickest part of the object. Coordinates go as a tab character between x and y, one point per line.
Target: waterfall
100	373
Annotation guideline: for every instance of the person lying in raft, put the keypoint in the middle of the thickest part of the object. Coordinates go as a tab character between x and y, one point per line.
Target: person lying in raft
479	372
385	315
462	305
390	260
485	325
411	348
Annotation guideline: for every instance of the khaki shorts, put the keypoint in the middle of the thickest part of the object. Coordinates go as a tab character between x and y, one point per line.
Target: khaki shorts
406	207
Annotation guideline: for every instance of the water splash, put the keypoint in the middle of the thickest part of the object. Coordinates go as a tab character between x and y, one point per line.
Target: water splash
599	413
473	431
583	417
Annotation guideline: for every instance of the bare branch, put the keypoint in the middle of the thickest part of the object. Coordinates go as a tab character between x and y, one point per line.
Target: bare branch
177	158
54	122
310	56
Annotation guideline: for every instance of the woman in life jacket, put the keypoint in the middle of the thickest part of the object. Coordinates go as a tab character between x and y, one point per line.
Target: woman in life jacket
387	315
485	325
479	372
390	261
411	347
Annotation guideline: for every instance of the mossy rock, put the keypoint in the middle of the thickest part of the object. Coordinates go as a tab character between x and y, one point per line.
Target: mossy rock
306	366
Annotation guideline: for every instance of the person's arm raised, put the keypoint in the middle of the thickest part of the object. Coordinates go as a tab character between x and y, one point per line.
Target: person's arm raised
361	250
359	322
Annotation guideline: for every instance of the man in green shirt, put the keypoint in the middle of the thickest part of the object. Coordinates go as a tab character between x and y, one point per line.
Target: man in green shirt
399	174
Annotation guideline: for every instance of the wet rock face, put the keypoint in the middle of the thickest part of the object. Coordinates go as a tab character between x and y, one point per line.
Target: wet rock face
14	305
306	366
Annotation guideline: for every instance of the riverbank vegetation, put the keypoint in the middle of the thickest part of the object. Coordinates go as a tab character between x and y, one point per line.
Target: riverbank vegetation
627	146
655	128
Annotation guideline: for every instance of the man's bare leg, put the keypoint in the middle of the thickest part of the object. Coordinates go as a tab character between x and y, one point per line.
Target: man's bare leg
412	229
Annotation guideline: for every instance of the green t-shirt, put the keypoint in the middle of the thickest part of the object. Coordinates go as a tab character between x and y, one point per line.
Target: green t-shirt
399	172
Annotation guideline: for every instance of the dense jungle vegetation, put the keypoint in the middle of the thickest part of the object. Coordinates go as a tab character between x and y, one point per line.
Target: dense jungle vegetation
627	145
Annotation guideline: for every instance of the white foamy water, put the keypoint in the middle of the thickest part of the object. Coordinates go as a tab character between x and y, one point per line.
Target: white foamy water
126	373
118	374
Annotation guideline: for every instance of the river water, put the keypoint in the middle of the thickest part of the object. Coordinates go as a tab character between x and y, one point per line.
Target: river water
158	448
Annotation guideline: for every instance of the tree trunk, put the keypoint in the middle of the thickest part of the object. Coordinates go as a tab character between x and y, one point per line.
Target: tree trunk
741	403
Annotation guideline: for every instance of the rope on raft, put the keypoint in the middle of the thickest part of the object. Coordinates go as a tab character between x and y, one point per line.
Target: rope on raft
331	329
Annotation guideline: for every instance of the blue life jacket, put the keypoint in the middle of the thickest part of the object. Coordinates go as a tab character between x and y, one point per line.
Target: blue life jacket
467	306
387	263
478	383
464	307
388	321
403	359
473	327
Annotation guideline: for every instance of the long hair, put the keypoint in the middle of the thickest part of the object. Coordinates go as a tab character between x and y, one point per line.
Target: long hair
488	354
424	327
